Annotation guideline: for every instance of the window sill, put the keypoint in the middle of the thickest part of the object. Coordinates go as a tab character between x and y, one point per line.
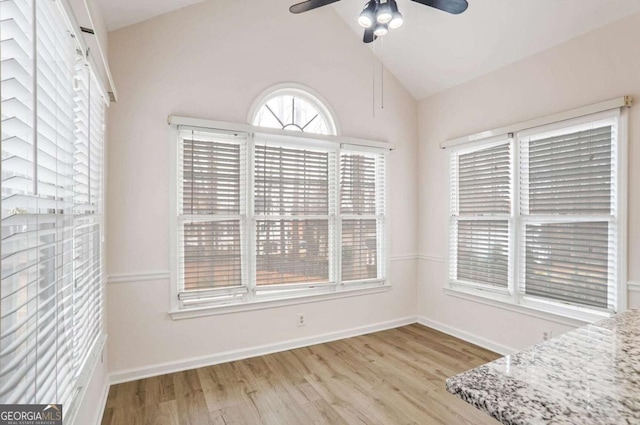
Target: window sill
189	313
556	314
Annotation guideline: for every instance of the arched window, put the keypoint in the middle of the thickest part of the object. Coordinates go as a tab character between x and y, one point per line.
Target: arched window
293	109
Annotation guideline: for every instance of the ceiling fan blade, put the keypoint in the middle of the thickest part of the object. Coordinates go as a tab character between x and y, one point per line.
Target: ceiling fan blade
452	6
308	5
369	36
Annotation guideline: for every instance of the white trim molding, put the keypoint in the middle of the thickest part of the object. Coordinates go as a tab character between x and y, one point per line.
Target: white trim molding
633	286
261	350
176	120
177	314
102	404
138	276
95	357
405	257
165	275
432	258
520	308
620	102
466	336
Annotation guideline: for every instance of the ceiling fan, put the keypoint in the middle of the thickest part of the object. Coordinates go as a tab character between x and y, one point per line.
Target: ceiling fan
379	16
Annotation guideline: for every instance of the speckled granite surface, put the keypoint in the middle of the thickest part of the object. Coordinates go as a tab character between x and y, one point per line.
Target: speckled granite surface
587	376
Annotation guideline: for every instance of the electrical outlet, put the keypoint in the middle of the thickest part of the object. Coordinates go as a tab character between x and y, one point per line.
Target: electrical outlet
547	335
301	319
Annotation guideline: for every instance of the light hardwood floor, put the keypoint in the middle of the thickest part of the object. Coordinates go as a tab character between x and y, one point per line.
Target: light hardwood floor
390	377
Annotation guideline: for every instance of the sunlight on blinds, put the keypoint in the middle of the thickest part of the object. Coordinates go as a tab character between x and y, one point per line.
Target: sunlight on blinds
51	256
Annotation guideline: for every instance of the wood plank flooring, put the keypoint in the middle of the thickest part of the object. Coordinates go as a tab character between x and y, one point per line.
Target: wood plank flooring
385	378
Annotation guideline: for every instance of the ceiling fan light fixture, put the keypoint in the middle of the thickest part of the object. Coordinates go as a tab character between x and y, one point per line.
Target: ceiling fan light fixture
384	13
364	21
368	14
381	30
396	17
396	21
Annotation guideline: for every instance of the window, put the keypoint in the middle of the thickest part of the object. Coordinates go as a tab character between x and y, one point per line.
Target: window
569	214
481	215
52	142
362	213
211	214
535	216
277	215
295	110
293	206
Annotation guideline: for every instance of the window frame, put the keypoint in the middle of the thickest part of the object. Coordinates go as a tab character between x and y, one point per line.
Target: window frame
306	292
297	90
454	206
274	291
241	216
380	217
514	299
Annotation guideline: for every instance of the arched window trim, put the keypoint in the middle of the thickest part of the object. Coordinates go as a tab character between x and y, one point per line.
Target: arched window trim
298	90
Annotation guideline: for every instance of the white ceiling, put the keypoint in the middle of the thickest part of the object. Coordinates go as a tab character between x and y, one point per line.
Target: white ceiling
434	50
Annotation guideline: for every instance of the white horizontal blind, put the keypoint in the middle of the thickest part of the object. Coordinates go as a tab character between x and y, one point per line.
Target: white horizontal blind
37	223
39	350
19	291
481	215
568	205
292	204
54	175
212	214
362	208
89	107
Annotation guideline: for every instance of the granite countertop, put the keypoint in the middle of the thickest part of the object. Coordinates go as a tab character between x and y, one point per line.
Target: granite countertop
587	376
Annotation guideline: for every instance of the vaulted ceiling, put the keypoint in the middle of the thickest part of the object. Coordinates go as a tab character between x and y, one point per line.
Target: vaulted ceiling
434	50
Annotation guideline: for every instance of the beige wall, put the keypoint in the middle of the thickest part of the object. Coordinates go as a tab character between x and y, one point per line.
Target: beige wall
202	61
597	66
207	61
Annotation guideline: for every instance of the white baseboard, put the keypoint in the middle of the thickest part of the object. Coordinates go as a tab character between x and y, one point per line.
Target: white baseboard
465	336
233	355
229	356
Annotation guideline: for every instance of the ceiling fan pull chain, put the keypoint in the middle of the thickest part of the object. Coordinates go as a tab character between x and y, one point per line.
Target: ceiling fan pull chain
381	72
373	84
